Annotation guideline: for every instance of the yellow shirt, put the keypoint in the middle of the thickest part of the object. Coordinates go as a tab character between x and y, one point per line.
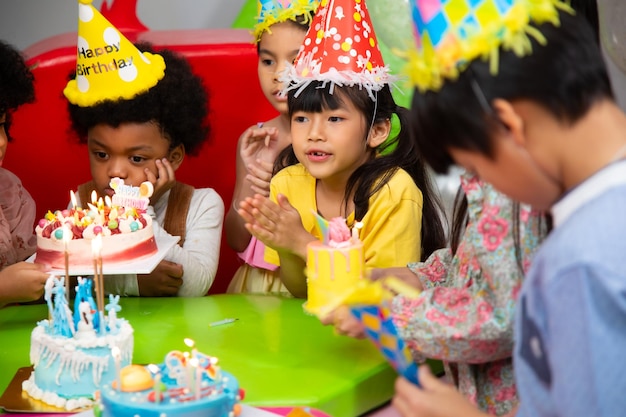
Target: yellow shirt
391	232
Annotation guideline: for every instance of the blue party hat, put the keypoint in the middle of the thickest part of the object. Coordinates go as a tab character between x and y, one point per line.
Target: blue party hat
450	34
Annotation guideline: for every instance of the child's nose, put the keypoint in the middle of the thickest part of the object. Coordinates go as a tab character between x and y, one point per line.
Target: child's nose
316	132
116	168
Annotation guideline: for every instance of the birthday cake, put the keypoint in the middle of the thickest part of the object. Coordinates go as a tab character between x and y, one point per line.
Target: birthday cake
185	384
121	223
73	354
334	266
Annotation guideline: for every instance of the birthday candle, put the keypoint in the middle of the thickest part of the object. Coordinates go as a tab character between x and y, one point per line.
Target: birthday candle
66	239
198	377
157	382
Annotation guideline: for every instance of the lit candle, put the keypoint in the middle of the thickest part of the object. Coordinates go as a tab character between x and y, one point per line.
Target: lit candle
94	197
67	236
115	351
355	230
198	377
192	345
73	199
188	371
157	382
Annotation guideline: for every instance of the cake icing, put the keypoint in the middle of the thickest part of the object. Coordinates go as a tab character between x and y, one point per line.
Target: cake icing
185	384
334	265
122	222
73	354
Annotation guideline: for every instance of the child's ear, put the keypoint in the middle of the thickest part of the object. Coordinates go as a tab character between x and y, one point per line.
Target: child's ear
379	133
510	118
176	156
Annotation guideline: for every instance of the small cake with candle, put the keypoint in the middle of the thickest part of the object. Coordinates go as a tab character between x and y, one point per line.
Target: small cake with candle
74	353
334	265
189	384
121	221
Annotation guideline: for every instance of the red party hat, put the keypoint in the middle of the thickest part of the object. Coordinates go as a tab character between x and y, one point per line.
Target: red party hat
340	48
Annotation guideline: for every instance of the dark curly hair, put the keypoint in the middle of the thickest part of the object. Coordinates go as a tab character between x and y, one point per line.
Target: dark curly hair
178	103
16	83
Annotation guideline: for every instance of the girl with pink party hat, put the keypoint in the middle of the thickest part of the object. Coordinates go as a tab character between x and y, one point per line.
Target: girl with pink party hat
340	105
278	34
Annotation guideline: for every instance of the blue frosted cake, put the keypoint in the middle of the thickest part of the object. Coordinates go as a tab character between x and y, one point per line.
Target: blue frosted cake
74	354
185	385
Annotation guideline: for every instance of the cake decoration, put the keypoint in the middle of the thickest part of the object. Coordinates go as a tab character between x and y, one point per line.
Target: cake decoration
185	384
71	351
334	264
121	224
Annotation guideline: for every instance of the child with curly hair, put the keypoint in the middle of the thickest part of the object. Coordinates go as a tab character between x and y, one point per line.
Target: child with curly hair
139	125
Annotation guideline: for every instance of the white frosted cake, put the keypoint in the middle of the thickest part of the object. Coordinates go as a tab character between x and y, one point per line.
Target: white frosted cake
74	354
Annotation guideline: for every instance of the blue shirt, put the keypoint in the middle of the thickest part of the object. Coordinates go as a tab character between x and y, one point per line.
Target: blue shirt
570	340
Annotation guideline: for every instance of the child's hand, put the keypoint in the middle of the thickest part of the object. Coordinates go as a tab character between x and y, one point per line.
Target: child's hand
345	323
276	225
164	281
435	398
259	144
402	273
22	282
259	150
164	180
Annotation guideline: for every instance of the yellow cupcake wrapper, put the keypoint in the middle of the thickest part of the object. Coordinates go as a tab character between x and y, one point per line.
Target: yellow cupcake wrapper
428	69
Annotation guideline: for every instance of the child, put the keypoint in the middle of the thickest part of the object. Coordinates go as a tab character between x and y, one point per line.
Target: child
542	126
19	281
340	109
142	130
278	34
464	314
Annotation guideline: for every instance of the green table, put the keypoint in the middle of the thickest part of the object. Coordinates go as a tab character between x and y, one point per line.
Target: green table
281	356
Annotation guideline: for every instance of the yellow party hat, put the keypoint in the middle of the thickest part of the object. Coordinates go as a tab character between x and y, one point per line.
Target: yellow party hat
108	66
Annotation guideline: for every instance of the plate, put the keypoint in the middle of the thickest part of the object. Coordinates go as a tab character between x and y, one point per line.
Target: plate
142	266
14	400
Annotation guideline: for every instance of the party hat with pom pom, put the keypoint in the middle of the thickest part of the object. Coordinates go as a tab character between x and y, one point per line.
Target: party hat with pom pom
450	34
271	12
340	48
108	66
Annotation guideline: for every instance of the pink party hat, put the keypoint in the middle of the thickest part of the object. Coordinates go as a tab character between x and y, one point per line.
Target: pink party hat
340	48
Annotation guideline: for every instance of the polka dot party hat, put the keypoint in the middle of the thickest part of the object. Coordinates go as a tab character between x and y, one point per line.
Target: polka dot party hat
340	48
450	34
271	12
108	66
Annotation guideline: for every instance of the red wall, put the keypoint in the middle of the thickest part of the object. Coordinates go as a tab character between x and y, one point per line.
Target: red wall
50	164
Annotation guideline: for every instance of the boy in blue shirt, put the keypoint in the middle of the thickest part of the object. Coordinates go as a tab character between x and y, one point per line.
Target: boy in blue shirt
539	122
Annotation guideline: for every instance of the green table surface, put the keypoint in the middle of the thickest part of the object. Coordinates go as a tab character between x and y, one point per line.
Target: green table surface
280	355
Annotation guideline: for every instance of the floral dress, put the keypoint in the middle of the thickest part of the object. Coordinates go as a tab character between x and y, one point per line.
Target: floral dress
17	218
464	316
